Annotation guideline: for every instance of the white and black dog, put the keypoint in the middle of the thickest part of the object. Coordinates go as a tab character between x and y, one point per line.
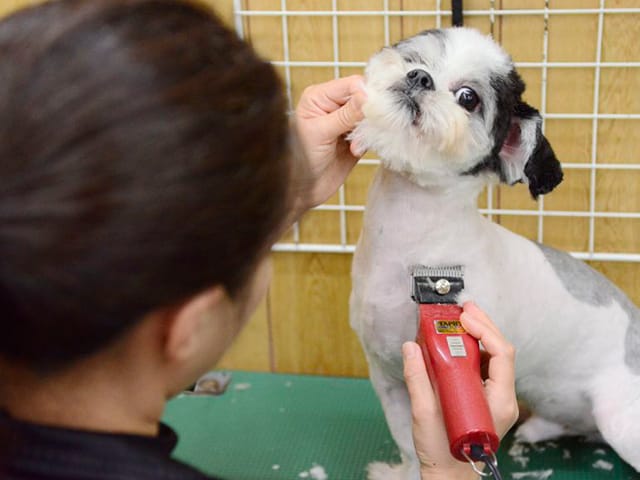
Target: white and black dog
445	115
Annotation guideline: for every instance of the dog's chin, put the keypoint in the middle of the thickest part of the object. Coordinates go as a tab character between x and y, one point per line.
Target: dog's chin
444	131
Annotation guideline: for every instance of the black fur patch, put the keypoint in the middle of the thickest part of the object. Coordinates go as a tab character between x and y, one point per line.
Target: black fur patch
543	170
490	163
508	91
525	111
433	31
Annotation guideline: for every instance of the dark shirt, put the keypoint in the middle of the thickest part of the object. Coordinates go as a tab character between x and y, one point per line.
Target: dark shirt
36	452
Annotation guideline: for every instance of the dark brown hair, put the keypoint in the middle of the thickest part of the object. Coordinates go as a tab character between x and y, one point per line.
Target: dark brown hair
142	160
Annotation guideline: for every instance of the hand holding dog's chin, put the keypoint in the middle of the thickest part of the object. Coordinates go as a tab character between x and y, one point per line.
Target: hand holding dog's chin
325	114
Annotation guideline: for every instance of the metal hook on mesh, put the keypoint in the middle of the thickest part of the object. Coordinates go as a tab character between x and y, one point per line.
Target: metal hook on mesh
456	13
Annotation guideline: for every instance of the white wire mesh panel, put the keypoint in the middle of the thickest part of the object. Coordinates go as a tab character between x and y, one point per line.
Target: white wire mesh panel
580	62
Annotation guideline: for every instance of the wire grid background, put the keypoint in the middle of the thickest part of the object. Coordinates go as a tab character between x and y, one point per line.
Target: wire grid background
441	16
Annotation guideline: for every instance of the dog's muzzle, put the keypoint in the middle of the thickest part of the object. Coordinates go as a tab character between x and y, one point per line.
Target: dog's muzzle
419	79
409	90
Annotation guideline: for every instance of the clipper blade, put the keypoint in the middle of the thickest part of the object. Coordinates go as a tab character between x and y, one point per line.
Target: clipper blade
436	284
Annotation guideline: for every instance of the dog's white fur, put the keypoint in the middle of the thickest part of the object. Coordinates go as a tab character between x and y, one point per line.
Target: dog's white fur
577	336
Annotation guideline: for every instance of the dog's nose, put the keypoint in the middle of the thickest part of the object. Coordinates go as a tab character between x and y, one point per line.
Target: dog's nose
419	78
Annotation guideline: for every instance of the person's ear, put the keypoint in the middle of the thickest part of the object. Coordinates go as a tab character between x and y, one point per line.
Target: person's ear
185	324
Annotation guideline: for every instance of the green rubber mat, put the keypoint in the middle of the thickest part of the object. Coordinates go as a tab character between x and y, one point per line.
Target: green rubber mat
272	426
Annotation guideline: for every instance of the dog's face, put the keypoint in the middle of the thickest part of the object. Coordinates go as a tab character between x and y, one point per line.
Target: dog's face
447	103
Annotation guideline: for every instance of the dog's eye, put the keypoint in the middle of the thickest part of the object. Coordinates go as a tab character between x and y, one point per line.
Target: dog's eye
467	98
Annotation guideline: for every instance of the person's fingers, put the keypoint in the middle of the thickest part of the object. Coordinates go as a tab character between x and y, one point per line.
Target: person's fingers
478	324
501	364
345	118
472	309
482	321
500	383
334	107
484	364
331	95
357	149
423	399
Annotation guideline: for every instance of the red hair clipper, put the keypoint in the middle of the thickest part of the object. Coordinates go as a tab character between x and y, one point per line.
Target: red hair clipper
452	357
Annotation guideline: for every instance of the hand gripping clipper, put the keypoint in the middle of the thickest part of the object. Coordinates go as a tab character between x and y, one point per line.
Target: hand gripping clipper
452	358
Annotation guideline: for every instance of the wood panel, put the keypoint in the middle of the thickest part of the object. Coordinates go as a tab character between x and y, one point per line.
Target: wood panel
263	33
252	349
354	32
8	6
509	31
309	315
223	9
624	275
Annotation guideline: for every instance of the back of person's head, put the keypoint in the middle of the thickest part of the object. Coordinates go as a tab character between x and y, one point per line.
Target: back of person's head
142	160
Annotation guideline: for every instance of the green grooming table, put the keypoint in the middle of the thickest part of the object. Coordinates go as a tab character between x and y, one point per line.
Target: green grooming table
272	426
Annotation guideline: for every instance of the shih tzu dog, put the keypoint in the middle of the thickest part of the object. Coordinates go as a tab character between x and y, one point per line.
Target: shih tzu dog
446	117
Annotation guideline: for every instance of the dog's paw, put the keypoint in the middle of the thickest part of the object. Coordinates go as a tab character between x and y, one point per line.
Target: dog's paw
385	471
538	429
594	437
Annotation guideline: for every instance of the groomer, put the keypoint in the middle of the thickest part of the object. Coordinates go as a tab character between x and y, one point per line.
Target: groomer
146	172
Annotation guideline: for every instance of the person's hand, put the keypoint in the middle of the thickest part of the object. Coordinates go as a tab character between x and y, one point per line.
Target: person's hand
325	113
430	436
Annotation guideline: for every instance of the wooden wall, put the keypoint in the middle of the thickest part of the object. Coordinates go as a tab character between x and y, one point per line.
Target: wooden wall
302	326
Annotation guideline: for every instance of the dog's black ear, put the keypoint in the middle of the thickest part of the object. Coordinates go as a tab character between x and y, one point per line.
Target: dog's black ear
526	155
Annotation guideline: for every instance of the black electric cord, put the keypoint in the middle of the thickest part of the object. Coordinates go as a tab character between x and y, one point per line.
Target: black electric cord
489	461
478	453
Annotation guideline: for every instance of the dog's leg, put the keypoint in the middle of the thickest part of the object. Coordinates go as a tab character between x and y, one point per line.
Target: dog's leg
394	398
538	429
616	409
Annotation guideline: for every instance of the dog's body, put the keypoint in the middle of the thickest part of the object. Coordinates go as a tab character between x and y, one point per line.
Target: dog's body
577	336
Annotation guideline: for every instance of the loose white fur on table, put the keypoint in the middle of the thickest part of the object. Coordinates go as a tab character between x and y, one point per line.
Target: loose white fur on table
445	115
